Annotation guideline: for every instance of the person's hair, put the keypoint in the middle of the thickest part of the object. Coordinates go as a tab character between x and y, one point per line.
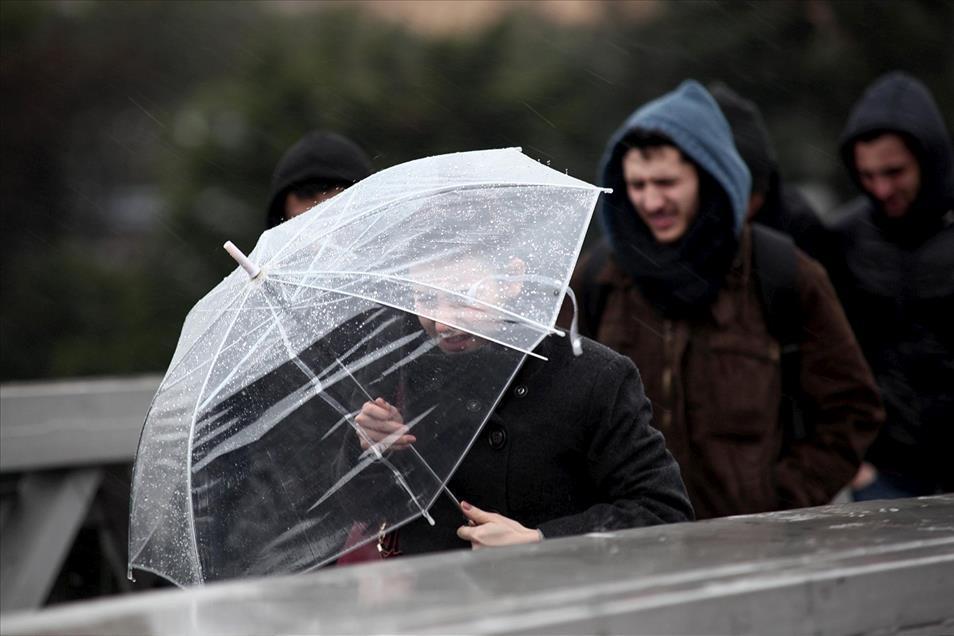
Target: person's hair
650	142
906	139
311	188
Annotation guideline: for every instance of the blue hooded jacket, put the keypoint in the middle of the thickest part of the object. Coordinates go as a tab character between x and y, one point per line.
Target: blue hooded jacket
692	119
683	277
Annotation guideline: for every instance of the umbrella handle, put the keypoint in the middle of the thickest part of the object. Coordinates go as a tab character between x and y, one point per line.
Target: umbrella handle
575	341
251	268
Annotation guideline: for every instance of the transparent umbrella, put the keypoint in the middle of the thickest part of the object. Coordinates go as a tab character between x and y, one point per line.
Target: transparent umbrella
424	286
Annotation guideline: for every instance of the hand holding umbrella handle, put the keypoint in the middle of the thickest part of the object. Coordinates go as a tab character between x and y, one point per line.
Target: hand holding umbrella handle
379	421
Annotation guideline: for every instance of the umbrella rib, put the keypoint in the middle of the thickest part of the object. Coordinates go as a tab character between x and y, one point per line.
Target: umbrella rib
418	195
185	376
221	311
247	356
195	412
407	360
401	279
374	453
406	310
407	488
397	475
411	281
324	244
352	244
312	221
414	450
288	347
353	379
434	475
238	365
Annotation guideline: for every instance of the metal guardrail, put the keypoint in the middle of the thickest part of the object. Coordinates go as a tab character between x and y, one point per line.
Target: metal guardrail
868	568
55	437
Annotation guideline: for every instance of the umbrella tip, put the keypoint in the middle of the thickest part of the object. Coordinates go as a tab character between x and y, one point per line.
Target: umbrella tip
250	268
577	345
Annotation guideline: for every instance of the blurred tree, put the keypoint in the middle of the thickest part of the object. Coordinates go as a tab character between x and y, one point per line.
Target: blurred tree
138	136
87	88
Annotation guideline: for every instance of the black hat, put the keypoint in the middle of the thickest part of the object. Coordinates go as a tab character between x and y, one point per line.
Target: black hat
749	133
320	156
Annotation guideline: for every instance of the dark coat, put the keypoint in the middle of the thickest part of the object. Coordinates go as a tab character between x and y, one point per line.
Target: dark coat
788	211
896	280
569	449
715	384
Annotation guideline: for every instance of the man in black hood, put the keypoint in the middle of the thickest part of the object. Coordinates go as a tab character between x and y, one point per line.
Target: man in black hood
771	203
320	165
896	278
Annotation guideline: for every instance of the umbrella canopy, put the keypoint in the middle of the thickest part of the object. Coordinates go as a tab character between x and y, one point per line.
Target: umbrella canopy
424	283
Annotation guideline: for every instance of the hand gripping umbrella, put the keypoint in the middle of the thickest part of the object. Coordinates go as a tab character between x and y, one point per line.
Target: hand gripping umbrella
425	286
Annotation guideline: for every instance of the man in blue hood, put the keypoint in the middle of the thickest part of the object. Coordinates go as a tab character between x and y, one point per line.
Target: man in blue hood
675	287
896	279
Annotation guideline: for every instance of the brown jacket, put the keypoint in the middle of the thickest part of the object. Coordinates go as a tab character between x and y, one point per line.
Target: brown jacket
715	386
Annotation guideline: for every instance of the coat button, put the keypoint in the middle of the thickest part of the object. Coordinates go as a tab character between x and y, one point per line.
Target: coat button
520	390
497	437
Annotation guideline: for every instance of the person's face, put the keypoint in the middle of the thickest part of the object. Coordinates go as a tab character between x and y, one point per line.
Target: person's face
889	172
664	189
470	278
295	205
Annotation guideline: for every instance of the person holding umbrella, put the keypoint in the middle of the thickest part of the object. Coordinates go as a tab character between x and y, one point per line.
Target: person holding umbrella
431	287
569	449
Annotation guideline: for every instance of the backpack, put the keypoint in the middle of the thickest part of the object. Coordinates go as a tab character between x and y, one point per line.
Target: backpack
774	264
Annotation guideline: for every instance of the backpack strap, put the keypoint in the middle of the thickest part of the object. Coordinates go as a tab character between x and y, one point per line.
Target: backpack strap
774	265
773	255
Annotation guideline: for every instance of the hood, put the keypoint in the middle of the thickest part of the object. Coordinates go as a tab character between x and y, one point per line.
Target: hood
898	102
682	278
318	156
781	208
692	119
749	133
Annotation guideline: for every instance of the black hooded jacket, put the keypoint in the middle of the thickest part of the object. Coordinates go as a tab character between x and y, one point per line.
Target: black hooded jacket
896	281
320	156
785	209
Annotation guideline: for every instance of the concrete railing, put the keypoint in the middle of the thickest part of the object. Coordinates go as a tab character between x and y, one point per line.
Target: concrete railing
867	568
55	437
871	568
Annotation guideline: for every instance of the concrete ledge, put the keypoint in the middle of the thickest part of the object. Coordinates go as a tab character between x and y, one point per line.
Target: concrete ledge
46	425
872	568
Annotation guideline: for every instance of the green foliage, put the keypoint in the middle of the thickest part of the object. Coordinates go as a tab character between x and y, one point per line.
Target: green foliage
193	103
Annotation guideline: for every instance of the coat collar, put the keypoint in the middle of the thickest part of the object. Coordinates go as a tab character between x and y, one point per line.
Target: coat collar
723	310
